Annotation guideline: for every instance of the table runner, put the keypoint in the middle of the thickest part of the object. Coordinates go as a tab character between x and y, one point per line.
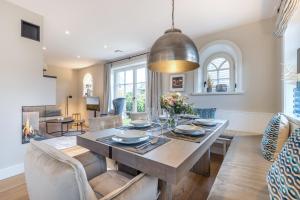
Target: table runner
132	148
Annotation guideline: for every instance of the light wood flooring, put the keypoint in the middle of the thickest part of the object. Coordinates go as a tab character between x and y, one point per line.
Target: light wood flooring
191	187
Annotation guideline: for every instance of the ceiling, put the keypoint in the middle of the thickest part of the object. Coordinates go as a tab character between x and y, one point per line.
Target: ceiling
131	25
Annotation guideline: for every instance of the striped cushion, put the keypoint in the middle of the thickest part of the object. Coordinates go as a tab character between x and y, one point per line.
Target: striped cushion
269	140
284	175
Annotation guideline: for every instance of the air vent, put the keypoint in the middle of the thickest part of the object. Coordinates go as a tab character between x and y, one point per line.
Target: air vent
30	31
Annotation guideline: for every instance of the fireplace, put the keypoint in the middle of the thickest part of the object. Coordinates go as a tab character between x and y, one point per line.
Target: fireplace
33	121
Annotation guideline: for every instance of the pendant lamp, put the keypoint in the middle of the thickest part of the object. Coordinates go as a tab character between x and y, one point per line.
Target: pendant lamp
174	52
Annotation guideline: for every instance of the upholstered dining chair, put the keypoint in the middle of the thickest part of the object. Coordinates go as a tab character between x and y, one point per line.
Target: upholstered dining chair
105	122
119	105
51	174
205	113
138	116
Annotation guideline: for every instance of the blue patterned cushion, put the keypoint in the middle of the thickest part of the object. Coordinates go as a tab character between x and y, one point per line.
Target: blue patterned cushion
284	175
205	113
269	140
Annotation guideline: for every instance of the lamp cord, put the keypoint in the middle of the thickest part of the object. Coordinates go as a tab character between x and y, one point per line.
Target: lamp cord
173	14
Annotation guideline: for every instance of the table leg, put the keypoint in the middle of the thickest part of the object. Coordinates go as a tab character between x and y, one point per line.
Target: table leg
46	127
202	167
62	129
165	190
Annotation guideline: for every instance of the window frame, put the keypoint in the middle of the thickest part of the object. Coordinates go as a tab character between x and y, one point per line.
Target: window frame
134	68
232	72
84	84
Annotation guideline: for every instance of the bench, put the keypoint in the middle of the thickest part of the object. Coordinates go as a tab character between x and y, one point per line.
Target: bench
243	171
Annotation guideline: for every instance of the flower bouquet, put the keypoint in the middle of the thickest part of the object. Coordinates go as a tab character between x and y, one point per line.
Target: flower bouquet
174	104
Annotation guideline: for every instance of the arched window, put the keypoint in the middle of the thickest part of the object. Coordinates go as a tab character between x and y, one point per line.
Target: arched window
88	85
219	73
221	68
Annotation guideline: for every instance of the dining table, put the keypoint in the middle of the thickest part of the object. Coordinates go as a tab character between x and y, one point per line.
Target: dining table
169	162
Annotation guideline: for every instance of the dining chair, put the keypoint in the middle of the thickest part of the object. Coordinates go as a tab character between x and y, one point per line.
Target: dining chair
138	116
119	105
51	174
205	113
105	122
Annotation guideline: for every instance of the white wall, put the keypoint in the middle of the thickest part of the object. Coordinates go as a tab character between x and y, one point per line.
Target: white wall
66	84
261	77
291	44
21	83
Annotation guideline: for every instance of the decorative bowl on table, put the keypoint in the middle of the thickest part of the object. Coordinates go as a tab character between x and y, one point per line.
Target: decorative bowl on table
140	123
130	137
205	122
189	130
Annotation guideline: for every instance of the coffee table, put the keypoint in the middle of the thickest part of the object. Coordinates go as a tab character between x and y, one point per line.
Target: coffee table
64	121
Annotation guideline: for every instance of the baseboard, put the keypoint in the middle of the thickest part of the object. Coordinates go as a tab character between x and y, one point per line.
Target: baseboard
11	171
254	122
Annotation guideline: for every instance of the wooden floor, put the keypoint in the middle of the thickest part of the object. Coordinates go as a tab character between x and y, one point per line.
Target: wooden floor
191	187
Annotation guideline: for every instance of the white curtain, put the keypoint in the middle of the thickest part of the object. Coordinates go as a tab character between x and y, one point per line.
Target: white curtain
285	13
154	91
107	87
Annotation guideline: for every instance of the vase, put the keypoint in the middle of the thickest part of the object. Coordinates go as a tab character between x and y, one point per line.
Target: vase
172	120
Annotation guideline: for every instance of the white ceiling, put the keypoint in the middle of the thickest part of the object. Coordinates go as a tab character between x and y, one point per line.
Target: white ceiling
131	25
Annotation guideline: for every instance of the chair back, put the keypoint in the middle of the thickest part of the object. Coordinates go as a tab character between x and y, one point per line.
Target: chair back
105	122
205	113
138	116
51	174
119	105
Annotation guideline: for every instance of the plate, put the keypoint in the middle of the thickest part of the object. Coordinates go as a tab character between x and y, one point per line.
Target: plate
195	133
131	134
189	128
140	123
130	141
206	122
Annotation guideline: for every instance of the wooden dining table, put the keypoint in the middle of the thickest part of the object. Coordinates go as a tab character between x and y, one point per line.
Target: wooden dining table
169	162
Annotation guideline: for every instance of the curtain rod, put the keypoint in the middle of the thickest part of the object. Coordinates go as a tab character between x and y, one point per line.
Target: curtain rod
128	58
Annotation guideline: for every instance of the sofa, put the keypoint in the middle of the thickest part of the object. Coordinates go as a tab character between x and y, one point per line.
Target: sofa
244	170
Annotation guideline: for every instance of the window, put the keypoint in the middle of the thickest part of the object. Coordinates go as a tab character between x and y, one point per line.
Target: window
88	85
130	82
219	69
221	64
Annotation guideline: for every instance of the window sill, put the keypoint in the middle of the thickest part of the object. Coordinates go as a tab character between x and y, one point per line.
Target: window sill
216	93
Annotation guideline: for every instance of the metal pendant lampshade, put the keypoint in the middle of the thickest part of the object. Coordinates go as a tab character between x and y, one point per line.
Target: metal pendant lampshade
173	52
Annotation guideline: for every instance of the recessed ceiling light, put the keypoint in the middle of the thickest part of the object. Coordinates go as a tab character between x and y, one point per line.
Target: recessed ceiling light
67	32
105	46
78	56
44	48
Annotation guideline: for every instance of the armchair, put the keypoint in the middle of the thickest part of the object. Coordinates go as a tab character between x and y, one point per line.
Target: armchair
51	174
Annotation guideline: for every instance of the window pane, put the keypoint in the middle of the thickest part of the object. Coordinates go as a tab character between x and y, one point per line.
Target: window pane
212	75
120	91
141	97
211	67
224	81
129	77
225	65
129	97
141	75
224	74
120	78
218	61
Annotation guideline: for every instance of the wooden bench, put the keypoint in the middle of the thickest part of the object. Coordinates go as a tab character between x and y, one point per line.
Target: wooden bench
242	175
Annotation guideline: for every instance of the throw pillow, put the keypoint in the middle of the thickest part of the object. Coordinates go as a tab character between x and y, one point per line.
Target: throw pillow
283	177
274	137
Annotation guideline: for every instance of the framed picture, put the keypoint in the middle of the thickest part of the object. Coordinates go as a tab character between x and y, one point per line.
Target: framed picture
177	82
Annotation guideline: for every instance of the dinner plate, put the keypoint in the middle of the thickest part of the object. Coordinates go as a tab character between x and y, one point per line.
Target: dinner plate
195	133
189	128
130	141
140	123
131	134
206	122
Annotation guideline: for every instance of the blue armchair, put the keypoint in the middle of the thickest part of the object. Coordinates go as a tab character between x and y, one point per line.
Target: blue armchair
205	113
119	105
